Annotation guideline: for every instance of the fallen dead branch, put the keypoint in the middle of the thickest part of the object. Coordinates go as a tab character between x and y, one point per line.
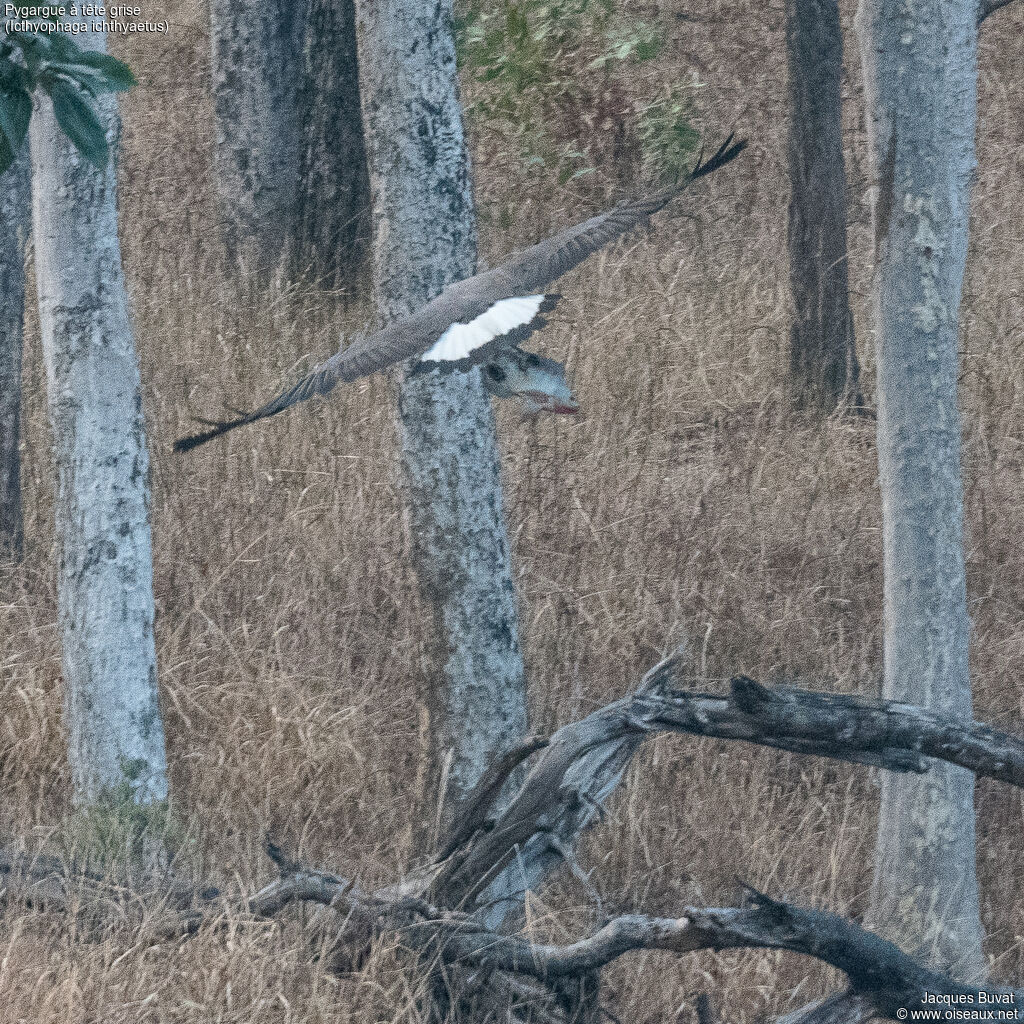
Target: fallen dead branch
512	849
455	912
883	979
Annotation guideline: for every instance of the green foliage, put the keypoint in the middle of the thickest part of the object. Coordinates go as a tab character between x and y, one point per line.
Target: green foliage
556	82
71	76
637	39
79	122
667	137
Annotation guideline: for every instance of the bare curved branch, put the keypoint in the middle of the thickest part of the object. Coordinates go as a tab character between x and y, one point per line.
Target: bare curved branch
584	761
453	911
878	971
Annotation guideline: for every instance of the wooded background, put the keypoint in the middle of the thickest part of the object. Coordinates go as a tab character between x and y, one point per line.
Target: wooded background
687	503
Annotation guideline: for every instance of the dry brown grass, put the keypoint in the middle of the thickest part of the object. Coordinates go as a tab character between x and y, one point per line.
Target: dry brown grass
686	503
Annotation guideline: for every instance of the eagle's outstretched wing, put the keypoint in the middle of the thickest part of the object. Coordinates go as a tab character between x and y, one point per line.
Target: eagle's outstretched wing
462	325
470	316
534	268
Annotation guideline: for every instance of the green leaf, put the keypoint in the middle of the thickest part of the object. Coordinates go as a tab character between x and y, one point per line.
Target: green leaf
79	122
115	73
62	47
14	76
84	79
33	48
15	113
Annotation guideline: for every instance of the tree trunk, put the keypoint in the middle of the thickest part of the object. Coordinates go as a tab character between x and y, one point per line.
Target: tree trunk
823	357
332	210
15	217
105	578
256	63
424	238
289	160
921	76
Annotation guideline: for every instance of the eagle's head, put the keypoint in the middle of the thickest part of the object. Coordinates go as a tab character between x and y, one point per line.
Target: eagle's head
539	382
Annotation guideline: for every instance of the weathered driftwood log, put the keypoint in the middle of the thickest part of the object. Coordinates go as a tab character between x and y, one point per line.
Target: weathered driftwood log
492	854
882	977
456	910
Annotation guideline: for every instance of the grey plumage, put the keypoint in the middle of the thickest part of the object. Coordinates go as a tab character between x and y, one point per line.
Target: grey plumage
519	282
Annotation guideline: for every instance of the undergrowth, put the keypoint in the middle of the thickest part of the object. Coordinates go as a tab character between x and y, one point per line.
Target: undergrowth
554	84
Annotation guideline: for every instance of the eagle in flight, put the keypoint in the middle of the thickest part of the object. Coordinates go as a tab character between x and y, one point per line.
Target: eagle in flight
482	320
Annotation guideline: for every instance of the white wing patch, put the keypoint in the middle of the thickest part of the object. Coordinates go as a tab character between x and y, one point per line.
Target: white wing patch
461	339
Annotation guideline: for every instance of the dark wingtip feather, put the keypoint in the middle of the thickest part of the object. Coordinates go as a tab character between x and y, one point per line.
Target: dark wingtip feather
186	444
727	152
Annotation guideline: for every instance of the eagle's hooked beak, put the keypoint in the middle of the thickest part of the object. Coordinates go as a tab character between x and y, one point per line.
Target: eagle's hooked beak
540	383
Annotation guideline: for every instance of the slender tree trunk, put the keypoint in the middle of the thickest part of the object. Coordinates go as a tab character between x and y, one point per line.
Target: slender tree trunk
425	238
332	211
15	217
105	579
921	76
289	160
256	62
823	357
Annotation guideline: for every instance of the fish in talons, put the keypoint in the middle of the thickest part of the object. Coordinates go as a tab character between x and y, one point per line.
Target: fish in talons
538	382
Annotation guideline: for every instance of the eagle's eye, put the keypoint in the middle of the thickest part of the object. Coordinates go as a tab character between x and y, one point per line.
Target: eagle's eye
495	372
532	360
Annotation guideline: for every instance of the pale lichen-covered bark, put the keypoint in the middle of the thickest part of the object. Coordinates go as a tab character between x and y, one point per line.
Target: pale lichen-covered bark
823	357
15	217
424	238
105	579
256	64
921	76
